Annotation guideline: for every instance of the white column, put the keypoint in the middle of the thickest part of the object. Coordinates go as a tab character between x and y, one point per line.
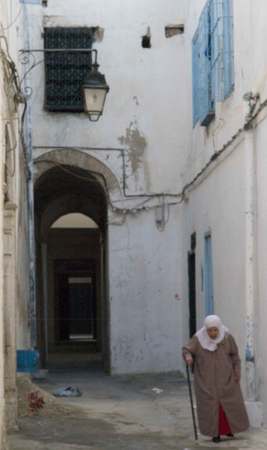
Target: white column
10	313
2	303
254	408
250	214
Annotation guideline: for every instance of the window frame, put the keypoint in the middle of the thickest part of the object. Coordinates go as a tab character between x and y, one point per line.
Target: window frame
212	60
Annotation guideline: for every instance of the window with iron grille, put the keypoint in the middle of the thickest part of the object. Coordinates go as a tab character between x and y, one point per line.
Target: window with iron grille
65	71
212	59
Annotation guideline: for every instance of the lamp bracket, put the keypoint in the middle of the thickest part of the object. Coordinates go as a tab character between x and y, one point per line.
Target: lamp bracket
61	50
27	57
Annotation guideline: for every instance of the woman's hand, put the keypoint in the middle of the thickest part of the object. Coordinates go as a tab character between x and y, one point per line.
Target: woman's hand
188	359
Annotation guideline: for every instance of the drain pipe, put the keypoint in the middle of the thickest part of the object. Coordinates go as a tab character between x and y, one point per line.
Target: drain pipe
30	192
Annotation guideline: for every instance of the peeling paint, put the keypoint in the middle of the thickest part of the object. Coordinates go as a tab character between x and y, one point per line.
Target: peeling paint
135	99
136	144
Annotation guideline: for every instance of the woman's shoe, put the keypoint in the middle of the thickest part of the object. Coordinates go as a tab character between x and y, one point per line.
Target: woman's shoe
216	439
230	435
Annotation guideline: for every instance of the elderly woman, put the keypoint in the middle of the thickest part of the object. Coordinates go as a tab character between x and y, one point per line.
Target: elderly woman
220	405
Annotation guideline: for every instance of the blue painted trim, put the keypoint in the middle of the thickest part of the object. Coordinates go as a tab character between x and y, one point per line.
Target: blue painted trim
27	361
31	2
208	276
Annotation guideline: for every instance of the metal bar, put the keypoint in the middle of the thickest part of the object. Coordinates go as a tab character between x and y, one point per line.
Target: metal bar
62	50
52	50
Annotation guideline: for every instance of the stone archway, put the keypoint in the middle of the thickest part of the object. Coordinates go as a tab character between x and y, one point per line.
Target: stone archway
80	160
67	182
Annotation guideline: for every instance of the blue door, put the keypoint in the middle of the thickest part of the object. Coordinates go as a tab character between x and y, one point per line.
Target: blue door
208	276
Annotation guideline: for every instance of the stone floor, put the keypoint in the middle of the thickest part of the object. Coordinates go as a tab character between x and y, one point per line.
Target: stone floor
143	412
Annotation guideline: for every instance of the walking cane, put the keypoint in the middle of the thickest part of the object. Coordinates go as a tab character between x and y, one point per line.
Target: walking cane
191	402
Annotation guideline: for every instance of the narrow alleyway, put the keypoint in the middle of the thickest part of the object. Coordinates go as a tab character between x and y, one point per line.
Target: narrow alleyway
143	412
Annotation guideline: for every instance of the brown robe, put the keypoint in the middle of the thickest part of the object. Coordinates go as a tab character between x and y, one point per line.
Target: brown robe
215	384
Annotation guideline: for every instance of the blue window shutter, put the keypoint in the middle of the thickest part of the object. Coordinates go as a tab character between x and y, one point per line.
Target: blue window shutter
222	60
216	37
203	91
206	99
228	47
195	72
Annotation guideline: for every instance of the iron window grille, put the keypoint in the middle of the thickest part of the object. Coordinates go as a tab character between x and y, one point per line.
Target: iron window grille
65	71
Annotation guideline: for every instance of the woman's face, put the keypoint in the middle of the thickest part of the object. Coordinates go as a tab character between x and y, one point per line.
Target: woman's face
213	332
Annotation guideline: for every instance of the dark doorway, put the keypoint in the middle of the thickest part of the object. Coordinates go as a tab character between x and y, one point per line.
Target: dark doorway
75	301
192	286
71	261
82	306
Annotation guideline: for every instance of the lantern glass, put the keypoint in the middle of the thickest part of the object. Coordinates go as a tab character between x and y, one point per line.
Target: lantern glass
94	100
95	90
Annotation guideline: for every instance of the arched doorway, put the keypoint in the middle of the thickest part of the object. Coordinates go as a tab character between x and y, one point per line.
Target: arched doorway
71	270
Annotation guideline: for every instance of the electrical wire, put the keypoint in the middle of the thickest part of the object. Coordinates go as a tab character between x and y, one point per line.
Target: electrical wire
10	149
122	152
35	64
139	207
182	195
13	94
249	123
14	21
13	78
11	72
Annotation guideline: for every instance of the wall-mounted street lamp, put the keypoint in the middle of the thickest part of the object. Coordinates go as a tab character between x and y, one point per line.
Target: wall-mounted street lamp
95	89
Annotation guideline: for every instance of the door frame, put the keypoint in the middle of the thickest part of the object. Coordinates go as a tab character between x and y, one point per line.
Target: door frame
208	275
192	301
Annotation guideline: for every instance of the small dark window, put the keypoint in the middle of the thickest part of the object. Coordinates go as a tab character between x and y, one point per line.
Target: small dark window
146	41
66	71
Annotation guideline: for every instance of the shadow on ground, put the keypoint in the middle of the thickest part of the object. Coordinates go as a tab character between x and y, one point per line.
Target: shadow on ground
143	412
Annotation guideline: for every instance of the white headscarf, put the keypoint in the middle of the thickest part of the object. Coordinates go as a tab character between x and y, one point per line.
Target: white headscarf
203	337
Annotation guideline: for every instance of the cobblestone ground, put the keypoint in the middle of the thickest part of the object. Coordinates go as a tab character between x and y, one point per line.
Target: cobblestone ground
148	412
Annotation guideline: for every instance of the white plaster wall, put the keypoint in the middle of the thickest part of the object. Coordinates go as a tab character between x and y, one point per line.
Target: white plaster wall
146	305
217	205
261	357
2	358
146	113
22	307
13	29
151	97
145	95
219	202
230	114
8	20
